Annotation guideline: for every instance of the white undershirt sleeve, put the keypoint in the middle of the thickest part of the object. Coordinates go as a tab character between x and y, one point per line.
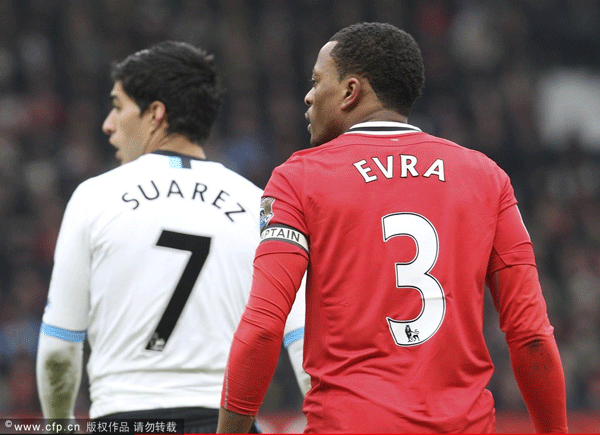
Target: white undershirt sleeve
293	338
296	352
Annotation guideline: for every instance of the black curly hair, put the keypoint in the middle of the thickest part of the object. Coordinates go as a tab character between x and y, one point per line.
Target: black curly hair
389	58
183	77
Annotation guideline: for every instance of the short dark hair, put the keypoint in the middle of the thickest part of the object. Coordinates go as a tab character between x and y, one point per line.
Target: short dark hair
389	58
183	77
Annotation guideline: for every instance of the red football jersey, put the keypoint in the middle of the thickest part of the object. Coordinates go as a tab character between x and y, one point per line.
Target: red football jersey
402	228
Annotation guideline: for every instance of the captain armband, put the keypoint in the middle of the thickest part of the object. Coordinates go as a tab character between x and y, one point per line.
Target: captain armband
283	233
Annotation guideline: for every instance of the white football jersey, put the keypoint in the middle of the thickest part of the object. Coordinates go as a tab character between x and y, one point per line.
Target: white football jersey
154	264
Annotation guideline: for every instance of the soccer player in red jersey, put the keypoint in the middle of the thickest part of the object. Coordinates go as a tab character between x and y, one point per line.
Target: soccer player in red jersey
400	232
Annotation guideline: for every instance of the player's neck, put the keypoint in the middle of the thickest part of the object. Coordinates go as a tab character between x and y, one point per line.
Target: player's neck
179	144
381	114
385	115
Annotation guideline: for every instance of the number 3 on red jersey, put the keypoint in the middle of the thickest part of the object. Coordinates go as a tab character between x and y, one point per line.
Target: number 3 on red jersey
415	274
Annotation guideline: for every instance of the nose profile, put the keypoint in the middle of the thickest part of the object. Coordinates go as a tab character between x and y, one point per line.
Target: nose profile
107	125
308	98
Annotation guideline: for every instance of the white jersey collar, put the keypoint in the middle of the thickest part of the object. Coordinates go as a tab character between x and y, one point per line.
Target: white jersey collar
382	128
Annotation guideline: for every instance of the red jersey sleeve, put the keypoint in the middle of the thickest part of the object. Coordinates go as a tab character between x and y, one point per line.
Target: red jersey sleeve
520	303
533	351
257	340
512	244
282	215
514	284
279	265
281	203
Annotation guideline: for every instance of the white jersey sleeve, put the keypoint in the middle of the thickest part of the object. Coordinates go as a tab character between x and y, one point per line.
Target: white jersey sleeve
66	314
60	348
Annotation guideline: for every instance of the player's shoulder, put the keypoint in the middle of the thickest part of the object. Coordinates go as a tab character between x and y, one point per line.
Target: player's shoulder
307	153
102	181
96	189
234	177
301	157
467	156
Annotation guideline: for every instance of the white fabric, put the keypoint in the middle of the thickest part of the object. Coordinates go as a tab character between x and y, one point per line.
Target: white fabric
295	352
111	279
295	348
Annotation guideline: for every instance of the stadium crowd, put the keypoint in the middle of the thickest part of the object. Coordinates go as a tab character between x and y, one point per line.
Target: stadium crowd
518	80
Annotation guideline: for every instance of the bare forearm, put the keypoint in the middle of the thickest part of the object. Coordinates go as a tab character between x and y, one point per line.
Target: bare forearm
232	422
58	376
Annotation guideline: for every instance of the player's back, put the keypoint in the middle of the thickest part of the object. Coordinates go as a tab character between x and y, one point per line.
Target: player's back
394	220
172	242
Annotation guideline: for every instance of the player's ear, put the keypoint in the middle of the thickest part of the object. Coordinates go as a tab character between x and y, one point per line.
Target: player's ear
351	93
158	113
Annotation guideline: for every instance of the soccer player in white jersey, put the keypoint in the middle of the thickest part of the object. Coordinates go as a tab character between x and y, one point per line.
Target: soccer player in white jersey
153	263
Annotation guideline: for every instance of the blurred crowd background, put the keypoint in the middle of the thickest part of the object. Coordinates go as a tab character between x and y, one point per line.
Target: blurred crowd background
518	80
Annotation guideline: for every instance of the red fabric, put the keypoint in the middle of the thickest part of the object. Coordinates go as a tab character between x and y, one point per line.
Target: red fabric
403	231
533	351
257	341
511	242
